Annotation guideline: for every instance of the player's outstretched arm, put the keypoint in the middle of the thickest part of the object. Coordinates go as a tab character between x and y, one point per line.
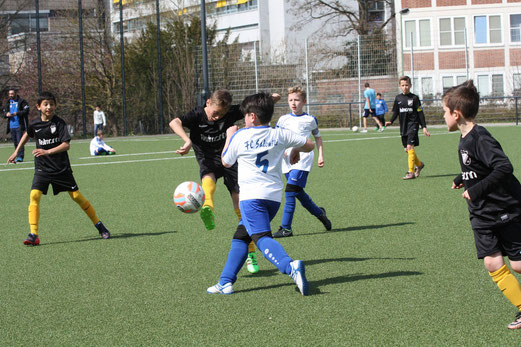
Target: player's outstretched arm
23	141
229	133
177	126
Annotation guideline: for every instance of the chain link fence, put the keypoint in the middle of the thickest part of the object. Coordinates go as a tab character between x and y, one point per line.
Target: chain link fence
333	77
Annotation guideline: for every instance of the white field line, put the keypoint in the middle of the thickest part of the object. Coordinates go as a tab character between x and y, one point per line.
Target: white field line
124	155
175	158
105	163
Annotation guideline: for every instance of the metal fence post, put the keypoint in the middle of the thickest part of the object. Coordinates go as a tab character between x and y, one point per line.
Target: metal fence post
517	111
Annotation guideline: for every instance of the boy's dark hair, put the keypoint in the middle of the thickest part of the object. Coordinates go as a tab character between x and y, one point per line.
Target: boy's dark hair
99	132
98	105
45	96
221	98
366	84
405	78
261	104
378	94
464	98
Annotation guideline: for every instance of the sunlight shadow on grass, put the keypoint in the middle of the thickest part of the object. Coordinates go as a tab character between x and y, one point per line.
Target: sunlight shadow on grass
113	236
360	227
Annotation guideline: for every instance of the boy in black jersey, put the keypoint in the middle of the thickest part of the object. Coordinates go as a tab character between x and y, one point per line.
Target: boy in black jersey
408	106
51	165
492	192
208	127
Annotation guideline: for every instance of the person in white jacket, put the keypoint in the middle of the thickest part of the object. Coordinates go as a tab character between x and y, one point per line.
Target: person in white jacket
99	119
99	147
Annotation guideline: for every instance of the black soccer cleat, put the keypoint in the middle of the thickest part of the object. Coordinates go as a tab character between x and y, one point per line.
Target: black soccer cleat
323	218
283	232
104	233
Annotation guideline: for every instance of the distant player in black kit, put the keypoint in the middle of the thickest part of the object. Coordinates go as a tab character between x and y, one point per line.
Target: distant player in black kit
408	106
492	192
51	165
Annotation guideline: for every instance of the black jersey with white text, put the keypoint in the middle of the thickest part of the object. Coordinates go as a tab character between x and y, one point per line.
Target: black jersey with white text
410	110
47	135
487	175
206	136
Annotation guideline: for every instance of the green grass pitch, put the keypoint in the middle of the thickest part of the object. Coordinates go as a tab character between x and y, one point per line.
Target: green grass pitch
399	267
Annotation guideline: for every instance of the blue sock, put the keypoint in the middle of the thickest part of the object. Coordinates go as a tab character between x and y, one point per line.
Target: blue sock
275	253
289	210
236	258
308	204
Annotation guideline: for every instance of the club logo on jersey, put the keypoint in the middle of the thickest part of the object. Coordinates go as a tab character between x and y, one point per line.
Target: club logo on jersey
53	128
465	157
409	102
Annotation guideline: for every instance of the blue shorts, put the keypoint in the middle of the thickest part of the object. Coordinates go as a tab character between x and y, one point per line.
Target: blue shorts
297	178
257	214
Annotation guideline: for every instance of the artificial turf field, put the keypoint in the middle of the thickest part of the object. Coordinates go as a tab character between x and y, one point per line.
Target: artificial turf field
398	268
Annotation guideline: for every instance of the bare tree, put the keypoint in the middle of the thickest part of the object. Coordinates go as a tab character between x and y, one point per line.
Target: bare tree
342	17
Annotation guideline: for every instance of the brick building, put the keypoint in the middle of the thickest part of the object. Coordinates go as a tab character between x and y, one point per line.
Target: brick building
452	40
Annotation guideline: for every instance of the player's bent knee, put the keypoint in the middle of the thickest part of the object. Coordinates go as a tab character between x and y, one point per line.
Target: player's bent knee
35	196
257	237
291	188
242	234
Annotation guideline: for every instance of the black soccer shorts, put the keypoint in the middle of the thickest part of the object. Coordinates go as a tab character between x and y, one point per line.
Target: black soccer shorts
505	239
213	164
60	183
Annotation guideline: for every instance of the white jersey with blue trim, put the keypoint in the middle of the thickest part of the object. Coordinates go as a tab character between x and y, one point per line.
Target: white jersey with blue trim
305	125
259	151
96	143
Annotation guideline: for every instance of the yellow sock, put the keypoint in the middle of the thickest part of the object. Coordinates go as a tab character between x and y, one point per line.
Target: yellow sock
508	284
209	189
417	160
410	157
85	205
34	210
238	213
251	247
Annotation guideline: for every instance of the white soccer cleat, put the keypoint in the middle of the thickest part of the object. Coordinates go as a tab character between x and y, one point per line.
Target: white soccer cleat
298	273
218	289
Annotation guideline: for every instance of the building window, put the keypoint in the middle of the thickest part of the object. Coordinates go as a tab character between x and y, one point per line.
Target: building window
515	27
452	31
447	82
487	29
420	31
483	85
427	88
517	84
497	85
26	23
377	12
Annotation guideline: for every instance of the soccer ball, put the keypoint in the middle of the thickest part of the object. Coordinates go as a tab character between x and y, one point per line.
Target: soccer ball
354	129
189	197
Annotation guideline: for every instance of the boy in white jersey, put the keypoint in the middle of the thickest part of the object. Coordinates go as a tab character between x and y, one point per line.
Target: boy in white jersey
99	147
258	149
306	125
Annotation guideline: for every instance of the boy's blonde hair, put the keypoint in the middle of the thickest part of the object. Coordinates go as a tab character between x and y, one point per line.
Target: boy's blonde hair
464	98
221	98
297	90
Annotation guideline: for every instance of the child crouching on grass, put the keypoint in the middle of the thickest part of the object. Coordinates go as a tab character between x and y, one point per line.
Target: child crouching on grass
492	192
51	165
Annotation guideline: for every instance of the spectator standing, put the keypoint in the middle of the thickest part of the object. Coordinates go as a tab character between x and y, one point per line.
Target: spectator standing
16	111
100	120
